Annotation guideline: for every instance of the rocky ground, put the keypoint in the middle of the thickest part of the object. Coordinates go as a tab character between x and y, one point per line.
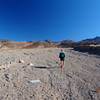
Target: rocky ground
77	80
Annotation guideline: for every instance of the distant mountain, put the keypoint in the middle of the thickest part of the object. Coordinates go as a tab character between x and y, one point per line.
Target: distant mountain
27	44
93	40
66	43
3	41
47	43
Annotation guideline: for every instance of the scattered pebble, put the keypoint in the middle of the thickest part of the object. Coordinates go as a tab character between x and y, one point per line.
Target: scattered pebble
21	61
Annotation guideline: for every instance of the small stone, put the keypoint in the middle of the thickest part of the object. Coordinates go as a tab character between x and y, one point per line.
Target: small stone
30	64
21	61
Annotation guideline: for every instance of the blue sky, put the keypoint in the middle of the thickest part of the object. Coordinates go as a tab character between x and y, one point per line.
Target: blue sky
56	20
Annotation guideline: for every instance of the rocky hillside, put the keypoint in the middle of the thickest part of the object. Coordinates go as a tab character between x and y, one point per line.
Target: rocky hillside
3	41
93	40
25	44
47	43
35	44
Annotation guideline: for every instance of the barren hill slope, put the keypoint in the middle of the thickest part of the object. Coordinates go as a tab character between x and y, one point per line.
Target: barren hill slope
27	44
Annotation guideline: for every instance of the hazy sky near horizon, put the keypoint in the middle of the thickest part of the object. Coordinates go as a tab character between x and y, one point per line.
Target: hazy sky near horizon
56	20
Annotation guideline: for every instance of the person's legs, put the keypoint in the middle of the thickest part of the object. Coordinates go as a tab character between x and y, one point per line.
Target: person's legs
62	63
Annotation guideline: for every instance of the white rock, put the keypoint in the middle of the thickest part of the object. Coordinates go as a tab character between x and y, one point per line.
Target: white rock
34	81
21	61
30	64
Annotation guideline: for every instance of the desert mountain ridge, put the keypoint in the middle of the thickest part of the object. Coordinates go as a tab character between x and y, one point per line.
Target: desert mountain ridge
92	40
46	43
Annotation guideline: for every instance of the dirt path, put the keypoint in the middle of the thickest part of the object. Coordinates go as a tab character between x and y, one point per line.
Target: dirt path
76	81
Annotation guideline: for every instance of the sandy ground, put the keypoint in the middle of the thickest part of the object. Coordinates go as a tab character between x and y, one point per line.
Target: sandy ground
77	80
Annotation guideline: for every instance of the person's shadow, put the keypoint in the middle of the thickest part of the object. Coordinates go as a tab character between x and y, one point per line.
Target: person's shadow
44	67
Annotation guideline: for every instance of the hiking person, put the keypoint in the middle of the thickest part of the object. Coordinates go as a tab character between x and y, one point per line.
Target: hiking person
62	57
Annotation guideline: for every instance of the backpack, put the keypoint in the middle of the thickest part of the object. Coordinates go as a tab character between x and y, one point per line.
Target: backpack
62	55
